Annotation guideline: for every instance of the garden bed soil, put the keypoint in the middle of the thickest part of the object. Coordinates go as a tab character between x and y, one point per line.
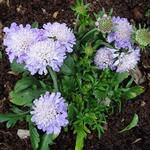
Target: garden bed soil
28	11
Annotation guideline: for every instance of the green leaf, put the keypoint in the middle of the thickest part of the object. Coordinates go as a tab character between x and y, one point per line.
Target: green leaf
34	136
132	124
98	43
25	83
16	110
71	111
35	24
68	84
11	118
88	35
119	77
133	92
16	67
68	66
11	123
147	14
26	89
25	97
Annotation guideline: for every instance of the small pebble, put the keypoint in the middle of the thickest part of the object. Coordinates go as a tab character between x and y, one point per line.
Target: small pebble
55	14
23	134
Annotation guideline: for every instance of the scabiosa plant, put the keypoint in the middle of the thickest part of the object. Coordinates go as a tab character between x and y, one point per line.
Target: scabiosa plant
104	58
91	93
127	60
18	39
50	113
61	33
121	33
43	54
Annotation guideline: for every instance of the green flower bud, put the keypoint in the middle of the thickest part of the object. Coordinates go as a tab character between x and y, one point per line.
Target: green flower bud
104	24
89	50
142	36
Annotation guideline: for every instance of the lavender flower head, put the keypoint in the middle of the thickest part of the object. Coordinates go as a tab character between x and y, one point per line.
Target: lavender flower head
121	33
61	33
127	61
44	54
18	39
104	58
49	113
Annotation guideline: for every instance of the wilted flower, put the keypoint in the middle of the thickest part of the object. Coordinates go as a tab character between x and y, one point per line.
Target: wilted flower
127	60
104	24
50	113
61	33
104	58
142	36
18	39
121	33
45	54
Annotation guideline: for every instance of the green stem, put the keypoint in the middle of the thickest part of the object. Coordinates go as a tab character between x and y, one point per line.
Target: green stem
46	141
47	138
54	78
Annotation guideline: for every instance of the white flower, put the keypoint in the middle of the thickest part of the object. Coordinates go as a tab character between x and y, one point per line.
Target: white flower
50	113
127	61
18	39
104	58
61	33
43	54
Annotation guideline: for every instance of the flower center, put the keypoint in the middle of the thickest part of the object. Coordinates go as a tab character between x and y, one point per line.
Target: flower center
43	51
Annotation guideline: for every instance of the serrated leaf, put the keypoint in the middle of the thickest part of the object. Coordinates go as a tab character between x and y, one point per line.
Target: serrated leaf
132	124
16	67
34	136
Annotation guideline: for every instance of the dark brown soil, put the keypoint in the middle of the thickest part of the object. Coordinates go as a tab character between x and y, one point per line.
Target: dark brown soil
28	11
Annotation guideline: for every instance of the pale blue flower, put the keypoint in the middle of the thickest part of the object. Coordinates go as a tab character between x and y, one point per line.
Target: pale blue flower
121	33
61	33
18	39
104	58
43	54
49	113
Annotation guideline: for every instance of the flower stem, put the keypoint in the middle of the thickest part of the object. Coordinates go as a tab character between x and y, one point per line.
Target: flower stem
54	78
